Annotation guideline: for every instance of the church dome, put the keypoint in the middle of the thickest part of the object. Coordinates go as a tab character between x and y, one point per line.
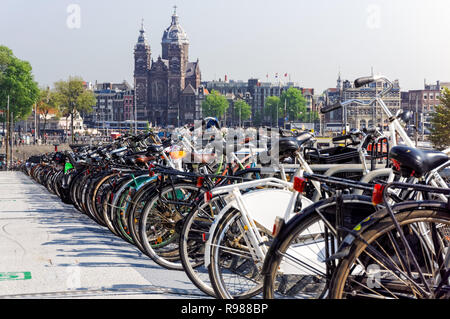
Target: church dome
175	33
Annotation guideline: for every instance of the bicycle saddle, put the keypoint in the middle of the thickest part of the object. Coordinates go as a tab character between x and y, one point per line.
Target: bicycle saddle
407	116
303	137
154	149
409	161
289	144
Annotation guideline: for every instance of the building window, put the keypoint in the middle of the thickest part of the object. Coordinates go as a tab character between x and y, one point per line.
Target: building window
362	124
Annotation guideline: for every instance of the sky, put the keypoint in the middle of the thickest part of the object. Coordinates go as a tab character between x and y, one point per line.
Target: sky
312	41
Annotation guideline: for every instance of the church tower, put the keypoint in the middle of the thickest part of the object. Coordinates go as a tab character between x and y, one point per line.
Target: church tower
175	49
142	61
166	87
175	42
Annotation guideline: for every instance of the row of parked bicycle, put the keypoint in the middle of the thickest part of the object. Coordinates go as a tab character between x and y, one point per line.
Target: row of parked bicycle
265	213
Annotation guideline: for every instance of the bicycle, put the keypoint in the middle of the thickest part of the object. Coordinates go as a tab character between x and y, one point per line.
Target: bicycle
288	247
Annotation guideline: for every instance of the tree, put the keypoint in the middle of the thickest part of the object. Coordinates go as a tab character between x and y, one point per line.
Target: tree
215	105
46	104
309	116
257	118
273	108
242	110
72	97
17	82
295	104
440	121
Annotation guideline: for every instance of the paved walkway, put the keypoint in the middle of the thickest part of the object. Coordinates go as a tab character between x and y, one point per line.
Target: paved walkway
50	250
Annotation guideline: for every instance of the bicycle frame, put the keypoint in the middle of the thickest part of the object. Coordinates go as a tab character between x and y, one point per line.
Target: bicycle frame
236	199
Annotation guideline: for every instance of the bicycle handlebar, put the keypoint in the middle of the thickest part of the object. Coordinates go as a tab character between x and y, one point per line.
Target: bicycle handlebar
359	82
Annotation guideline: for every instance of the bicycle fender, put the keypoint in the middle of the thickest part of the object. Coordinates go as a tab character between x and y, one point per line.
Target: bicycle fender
260	203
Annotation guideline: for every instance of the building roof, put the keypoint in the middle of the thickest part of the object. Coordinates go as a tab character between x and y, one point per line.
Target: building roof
189	89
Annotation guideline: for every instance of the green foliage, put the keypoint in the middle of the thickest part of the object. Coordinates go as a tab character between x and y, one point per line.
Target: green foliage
257	118
295	104
47	102
440	120
72	97
242	110
309	116
272	104
17	82
215	105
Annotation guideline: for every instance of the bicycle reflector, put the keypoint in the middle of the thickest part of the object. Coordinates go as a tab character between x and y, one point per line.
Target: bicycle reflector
200	181
208	197
299	184
377	194
177	154
279	222
151	173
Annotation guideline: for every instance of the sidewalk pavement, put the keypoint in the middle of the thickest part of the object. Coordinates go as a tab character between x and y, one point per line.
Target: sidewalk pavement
50	250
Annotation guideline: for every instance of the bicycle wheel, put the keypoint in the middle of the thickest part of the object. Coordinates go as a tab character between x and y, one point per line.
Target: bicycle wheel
96	198
118	205
161	222
233	271
106	202
378	265
91	197
196	227
134	210
86	195
296	265
121	220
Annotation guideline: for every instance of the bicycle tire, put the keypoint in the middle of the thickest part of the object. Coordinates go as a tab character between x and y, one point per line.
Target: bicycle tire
363	246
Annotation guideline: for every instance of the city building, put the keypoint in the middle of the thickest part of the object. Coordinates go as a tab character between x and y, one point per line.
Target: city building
255	93
360	116
115	103
423	102
165	87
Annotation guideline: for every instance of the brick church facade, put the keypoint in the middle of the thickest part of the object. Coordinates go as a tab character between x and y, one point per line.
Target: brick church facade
168	88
